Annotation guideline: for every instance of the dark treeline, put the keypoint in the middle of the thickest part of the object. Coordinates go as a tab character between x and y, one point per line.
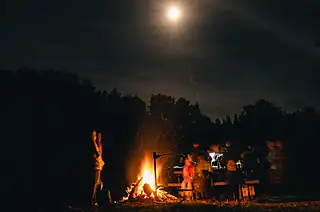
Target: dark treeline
48	117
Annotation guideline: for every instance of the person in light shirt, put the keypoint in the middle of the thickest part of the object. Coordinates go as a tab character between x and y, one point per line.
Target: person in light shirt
188	176
99	164
215	155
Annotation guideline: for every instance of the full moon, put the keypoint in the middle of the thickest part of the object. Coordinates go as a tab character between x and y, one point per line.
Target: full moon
173	13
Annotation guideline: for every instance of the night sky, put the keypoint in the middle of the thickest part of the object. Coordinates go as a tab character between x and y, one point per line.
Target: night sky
222	53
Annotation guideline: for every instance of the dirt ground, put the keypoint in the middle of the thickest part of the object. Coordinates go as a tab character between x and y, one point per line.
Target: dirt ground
197	206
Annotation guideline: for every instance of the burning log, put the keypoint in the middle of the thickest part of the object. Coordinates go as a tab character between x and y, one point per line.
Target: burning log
147	189
135	189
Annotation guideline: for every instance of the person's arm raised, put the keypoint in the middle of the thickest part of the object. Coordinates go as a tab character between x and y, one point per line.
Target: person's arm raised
96	146
100	143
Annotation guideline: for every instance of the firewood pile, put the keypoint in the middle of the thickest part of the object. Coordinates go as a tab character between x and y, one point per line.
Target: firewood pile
138	194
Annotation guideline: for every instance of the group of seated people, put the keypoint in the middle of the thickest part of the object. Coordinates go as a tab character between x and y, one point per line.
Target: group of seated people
199	166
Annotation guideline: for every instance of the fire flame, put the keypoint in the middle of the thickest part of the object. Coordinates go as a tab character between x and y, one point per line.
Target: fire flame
146	177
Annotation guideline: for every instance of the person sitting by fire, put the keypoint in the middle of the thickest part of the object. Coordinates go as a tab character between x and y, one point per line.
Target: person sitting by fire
99	164
203	170
188	176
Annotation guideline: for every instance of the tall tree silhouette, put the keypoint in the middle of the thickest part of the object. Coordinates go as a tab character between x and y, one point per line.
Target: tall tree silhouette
261	121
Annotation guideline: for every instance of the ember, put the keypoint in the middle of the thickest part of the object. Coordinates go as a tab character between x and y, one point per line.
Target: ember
144	187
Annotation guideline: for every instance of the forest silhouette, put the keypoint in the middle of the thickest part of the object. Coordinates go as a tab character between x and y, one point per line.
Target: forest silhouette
48	117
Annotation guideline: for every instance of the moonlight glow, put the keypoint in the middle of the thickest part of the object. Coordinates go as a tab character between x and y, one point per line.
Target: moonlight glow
173	13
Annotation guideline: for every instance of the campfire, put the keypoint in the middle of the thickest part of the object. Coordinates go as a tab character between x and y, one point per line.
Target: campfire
145	186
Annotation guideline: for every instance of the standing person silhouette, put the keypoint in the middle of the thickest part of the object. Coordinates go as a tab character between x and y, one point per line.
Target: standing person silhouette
99	163
188	176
